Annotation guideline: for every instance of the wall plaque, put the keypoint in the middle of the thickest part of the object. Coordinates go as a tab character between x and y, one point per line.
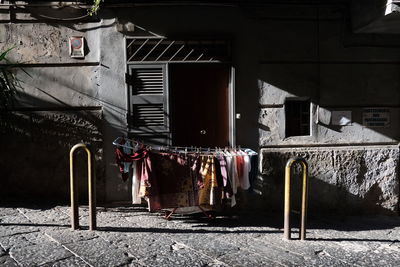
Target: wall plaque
376	117
76	47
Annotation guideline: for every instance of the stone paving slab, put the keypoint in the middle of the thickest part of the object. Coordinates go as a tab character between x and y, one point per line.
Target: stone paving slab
46	216
39	254
67	235
7	261
15	224
98	252
177	254
22	240
8	211
71	261
247	259
208	244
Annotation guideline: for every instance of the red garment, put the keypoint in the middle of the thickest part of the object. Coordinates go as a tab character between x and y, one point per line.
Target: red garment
240	167
172	183
121	157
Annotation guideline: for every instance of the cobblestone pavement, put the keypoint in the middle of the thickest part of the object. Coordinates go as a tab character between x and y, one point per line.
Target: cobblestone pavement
128	236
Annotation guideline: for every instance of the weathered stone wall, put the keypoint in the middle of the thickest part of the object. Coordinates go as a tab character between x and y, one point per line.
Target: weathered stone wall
34	158
349	180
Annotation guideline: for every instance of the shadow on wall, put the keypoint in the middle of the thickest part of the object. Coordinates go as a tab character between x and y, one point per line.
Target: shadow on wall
34	159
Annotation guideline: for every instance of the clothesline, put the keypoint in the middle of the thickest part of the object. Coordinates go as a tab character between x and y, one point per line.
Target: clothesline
135	144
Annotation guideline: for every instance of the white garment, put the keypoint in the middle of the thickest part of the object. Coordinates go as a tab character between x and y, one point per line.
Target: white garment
245	181
136	199
232	175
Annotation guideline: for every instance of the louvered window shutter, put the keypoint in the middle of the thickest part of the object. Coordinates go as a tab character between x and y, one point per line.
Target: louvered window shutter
148	99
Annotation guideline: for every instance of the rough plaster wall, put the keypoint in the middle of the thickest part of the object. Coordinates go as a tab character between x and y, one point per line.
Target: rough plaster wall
34	158
45	43
113	95
346	180
63	86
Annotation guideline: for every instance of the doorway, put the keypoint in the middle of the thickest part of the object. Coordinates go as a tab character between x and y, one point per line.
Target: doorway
199	104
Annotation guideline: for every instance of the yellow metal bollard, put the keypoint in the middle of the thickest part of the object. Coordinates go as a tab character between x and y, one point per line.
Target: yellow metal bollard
304	198
74	191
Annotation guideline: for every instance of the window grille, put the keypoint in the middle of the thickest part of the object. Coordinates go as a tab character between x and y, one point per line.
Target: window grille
165	50
297	114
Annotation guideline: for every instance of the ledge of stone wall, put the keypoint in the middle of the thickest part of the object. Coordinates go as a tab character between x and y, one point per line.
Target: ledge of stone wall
345	180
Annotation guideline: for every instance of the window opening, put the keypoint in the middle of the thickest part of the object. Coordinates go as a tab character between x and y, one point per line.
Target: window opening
297	115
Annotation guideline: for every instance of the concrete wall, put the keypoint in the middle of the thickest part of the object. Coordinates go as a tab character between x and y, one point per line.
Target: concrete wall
279	51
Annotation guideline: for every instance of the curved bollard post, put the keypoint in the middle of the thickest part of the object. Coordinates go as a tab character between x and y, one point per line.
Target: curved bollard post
74	191
304	198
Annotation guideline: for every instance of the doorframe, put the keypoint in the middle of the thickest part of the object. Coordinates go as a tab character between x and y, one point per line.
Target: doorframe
232	107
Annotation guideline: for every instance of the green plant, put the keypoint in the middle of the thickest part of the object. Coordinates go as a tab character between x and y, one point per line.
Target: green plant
95	7
8	81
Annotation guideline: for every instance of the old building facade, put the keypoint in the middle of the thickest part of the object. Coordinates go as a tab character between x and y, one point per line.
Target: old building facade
317	79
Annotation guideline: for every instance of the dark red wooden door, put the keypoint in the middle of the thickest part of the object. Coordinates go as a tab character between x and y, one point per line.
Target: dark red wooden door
199	104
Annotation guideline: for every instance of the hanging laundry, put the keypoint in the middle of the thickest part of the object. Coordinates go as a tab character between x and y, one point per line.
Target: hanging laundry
136	198
232	175
123	158
175	178
254	168
171	182
243	168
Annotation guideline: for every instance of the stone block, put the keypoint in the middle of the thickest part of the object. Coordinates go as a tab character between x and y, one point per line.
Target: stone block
347	179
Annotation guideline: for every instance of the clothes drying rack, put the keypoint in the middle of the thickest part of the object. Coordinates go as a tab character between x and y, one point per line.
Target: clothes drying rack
136	144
